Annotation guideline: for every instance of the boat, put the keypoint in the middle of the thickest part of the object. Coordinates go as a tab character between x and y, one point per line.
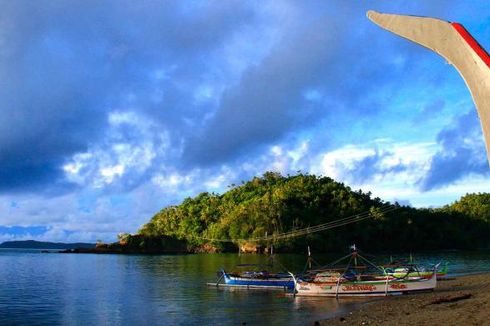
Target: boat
260	277
257	278
364	287
359	280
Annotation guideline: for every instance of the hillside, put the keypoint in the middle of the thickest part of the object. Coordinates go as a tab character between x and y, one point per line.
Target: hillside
273	204
31	244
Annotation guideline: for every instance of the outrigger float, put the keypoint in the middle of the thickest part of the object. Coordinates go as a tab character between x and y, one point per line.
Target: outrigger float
357	280
414	270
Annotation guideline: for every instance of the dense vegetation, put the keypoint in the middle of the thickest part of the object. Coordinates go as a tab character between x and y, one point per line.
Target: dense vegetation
274	204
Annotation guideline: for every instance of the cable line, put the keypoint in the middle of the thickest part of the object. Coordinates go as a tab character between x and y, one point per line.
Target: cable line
308	230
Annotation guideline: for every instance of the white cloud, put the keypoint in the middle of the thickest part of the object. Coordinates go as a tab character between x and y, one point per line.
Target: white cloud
110	172
173	181
390	183
336	164
120	156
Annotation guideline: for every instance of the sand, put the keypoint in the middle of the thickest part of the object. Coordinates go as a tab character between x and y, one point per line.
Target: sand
462	300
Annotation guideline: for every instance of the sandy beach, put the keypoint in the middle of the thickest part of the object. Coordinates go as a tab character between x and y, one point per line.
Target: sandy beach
462	300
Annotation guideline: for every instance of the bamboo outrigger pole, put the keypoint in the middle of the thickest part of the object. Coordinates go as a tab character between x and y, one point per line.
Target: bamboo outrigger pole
453	42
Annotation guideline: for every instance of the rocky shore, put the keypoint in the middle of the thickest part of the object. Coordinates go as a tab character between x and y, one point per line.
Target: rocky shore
462	300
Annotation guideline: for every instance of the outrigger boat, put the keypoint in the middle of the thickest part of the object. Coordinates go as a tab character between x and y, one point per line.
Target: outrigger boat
258	279
359	280
255	276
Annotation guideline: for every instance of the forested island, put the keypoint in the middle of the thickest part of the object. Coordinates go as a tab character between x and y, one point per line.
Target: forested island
274	204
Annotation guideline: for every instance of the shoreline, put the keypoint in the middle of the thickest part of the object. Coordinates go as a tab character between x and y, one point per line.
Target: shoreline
455	301
121	251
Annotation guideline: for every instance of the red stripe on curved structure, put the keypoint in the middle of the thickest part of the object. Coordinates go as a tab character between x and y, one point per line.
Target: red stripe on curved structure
472	43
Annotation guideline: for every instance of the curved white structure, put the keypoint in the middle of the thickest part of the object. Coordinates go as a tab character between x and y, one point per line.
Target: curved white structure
453	42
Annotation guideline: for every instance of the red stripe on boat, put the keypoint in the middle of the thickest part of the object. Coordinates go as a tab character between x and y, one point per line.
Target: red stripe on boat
472	43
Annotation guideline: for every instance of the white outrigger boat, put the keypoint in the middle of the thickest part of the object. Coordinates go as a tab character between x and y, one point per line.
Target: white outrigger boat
381	286
355	281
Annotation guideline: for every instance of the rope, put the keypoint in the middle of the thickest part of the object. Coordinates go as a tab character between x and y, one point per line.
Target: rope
370	263
307	230
308	265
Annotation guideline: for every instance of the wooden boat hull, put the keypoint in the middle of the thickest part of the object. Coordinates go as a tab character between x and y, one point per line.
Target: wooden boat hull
275	282
390	286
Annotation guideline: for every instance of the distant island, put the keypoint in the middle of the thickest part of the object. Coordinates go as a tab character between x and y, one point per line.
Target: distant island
32	244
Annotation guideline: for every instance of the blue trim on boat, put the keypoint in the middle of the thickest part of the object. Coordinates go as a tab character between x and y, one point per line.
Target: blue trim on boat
286	282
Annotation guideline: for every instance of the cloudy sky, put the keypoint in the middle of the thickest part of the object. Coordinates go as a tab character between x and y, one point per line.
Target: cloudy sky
112	110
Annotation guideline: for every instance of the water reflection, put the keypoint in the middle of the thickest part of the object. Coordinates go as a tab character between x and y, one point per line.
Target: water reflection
170	290
180	288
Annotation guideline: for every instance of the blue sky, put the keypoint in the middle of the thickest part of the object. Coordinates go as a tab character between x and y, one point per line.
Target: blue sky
112	110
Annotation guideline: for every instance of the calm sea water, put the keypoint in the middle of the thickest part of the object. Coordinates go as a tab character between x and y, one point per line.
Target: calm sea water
87	289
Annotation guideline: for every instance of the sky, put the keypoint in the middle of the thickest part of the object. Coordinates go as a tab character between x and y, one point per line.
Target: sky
113	110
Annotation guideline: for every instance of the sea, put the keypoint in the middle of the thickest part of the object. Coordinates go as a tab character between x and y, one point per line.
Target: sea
38	288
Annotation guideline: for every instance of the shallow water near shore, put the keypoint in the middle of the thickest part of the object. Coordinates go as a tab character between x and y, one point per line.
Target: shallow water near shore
120	289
